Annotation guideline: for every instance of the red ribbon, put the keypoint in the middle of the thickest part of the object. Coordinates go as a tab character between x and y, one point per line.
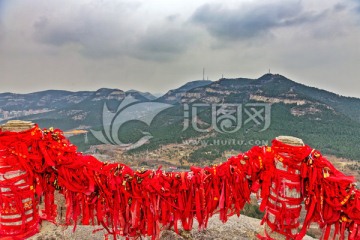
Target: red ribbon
131	203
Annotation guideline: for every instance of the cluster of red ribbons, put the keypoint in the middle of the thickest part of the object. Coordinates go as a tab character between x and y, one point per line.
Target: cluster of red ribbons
132	203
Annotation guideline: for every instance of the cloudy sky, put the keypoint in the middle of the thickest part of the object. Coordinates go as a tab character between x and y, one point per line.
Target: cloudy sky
157	45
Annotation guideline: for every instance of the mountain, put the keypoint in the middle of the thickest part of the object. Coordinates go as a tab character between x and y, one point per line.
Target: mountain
270	88
145	96
50	99
63	109
262	108
324	120
174	95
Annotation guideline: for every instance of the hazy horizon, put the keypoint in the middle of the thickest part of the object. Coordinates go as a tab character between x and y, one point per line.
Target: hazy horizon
156	94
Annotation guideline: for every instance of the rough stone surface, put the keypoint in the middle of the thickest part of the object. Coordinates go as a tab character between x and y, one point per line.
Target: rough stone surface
242	228
16	126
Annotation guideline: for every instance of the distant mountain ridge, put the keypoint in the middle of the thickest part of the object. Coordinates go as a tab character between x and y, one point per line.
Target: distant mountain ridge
146	95
174	95
265	89
50	99
323	119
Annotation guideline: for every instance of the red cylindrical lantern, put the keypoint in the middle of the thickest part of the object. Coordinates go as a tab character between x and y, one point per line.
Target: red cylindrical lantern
284	201
19	216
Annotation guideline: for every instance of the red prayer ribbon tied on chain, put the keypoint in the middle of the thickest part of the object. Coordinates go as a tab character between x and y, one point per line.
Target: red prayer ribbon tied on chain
132	203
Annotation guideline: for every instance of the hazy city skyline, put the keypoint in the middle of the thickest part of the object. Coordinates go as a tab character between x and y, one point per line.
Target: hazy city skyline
158	45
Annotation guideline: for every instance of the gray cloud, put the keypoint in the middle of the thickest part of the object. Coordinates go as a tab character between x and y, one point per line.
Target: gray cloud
104	34
97	32
357	6
158	45
340	22
47	32
172	18
2	31
163	43
340	7
251	20
351	6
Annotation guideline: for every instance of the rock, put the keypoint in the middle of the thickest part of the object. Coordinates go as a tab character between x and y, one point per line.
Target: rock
239	228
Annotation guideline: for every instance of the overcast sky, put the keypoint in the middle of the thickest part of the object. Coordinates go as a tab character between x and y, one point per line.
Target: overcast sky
157	45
